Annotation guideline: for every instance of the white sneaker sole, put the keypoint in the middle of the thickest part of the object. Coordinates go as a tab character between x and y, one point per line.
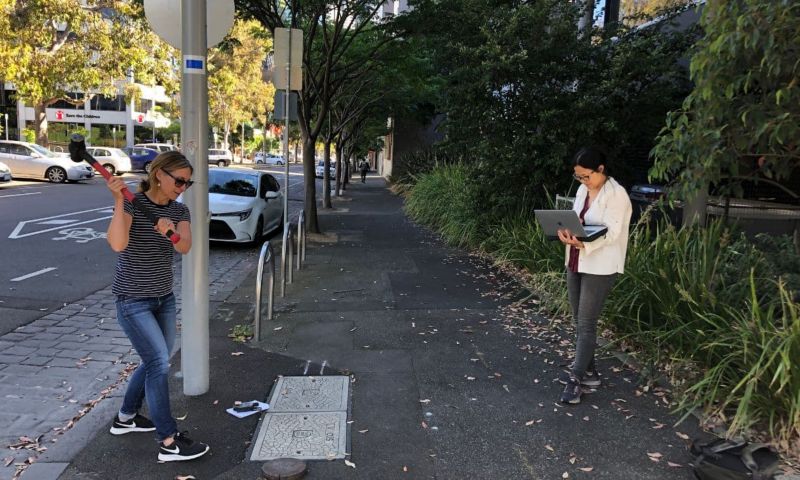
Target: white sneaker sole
123	431
165	457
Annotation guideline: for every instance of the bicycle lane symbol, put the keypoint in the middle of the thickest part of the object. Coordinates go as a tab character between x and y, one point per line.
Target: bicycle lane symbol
80	235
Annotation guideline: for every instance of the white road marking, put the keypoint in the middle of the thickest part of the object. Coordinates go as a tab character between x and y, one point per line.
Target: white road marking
20	194
16	233
58	222
39	272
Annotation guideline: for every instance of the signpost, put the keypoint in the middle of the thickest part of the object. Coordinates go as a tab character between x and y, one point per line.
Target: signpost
288	75
193	39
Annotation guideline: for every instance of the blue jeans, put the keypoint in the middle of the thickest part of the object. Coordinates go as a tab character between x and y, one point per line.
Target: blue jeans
149	323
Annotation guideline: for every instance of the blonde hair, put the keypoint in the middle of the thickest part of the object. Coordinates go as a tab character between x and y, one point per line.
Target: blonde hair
167	161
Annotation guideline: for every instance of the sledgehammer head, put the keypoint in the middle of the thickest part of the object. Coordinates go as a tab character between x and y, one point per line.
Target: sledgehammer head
77	147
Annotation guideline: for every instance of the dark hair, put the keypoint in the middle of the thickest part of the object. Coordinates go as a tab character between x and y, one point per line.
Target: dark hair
167	161
591	158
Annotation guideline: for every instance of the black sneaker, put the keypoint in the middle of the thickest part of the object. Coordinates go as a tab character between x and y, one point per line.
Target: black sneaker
182	449
590	379
135	424
572	392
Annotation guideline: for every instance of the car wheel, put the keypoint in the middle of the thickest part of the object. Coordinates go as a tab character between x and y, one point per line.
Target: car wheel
147	167
258	236
56	174
110	168
221	163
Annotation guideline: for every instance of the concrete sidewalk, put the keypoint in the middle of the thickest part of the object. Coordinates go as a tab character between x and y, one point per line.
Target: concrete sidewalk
449	380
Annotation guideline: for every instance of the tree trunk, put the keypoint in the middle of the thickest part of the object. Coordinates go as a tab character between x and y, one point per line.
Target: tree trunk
339	165
326	175
40	122
310	204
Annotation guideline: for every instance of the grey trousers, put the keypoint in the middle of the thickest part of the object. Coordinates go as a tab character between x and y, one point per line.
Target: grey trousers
587	294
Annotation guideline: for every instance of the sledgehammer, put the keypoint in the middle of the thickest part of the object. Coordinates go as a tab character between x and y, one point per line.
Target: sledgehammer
78	153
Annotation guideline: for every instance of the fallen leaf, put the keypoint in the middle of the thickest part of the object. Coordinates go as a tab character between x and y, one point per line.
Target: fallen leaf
236	354
470	378
549	448
278	328
185	477
586	418
424	425
349	463
183	417
425	401
586	469
682	435
654	454
673	464
405	469
529	423
565	475
363	431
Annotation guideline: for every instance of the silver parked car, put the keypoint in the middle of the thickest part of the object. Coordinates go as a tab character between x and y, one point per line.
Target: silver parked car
5	173
114	160
29	160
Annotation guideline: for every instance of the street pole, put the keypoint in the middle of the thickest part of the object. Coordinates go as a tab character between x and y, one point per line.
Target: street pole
286	135
242	157
6	129
114	134
194	135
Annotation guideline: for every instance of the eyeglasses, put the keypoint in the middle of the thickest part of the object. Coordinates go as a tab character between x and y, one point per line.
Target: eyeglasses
179	182
581	178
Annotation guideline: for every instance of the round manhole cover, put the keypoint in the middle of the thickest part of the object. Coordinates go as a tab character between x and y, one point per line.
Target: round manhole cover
284	469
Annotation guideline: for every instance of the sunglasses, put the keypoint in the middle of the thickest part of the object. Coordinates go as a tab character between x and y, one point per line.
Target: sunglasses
179	182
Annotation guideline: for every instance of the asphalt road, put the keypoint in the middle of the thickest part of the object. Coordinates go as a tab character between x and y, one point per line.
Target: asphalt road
52	242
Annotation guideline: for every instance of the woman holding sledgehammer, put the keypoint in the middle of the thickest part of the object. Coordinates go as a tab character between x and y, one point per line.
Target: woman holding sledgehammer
145	302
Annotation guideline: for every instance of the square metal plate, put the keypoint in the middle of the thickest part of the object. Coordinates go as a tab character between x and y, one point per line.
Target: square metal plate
305	436
310	394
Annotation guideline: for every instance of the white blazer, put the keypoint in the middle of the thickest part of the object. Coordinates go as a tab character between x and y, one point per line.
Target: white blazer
612	208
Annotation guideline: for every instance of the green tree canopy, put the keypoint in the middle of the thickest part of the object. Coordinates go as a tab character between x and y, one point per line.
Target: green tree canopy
236	91
743	116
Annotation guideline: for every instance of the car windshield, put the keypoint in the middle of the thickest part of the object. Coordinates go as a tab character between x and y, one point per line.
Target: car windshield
232	183
43	151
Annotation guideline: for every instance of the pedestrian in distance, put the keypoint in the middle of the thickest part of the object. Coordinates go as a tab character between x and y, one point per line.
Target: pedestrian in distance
592	267
145	302
364	167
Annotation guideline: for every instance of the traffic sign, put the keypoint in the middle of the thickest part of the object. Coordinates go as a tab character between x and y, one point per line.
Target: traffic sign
165	19
288	54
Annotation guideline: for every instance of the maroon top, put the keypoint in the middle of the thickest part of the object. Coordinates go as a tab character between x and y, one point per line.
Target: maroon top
575	251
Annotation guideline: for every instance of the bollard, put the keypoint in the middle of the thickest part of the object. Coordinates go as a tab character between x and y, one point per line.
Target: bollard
290	255
284	249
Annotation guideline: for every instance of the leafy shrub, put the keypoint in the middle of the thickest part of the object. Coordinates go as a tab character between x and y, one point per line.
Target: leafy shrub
443	199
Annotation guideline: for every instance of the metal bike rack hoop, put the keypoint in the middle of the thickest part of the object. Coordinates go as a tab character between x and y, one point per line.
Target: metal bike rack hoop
267	257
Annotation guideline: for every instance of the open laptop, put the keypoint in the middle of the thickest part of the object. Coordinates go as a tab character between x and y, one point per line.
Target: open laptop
554	220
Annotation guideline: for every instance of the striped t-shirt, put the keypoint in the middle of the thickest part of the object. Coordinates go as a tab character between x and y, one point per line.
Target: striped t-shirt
144	268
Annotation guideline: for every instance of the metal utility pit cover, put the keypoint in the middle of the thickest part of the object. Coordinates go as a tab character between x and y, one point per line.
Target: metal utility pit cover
307	436
310	394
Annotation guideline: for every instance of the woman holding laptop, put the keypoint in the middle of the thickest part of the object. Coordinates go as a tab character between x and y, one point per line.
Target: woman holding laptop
592	267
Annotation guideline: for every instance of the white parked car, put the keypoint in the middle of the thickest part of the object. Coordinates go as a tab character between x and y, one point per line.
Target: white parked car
160	147
268	159
5	173
29	160
321	169
114	160
244	204
219	157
